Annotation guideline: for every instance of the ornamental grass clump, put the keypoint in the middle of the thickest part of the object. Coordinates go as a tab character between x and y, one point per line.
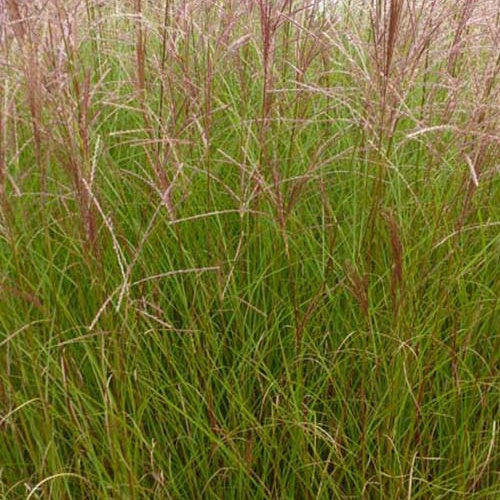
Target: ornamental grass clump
249	249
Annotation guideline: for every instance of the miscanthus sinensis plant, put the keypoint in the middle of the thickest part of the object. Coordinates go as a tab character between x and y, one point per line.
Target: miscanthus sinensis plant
249	249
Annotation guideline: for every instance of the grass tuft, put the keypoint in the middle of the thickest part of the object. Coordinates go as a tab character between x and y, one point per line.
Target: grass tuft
249	249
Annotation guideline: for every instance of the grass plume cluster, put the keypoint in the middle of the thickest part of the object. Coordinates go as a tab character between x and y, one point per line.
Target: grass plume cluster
249	249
